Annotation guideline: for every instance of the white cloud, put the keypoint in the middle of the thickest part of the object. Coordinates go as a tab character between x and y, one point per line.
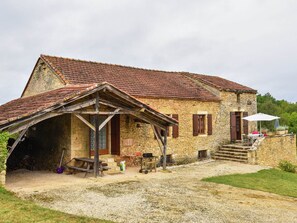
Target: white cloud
249	41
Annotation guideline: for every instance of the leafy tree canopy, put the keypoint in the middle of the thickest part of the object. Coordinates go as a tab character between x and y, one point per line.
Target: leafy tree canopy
287	111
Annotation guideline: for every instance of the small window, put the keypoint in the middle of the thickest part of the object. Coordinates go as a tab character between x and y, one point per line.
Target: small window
238	98
199	124
202	154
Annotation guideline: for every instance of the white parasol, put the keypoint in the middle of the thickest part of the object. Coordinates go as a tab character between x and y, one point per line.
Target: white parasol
260	117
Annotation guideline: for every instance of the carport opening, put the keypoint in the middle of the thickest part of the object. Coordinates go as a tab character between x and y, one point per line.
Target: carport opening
42	145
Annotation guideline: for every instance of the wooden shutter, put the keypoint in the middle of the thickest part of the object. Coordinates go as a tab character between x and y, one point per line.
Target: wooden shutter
175	127
245	124
209	124
115	135
195	125
232	126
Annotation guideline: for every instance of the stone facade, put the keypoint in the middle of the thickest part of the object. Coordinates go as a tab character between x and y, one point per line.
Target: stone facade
137	136
273	149
42	79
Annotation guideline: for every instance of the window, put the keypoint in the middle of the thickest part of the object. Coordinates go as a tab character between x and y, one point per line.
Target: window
238	98
102	136
200	122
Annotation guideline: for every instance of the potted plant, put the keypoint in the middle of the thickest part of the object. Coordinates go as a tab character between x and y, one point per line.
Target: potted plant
280	130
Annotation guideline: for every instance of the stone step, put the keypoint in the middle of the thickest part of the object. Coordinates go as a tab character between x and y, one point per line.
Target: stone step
230	159
232	153
233	150
231	156
234	146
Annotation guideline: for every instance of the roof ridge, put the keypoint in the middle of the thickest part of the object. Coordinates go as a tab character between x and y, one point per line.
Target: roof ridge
110	64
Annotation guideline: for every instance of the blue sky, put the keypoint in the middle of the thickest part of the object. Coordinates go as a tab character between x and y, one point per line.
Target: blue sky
249	41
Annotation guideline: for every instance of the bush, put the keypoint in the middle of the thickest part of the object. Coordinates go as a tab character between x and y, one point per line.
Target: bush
287	166
4	136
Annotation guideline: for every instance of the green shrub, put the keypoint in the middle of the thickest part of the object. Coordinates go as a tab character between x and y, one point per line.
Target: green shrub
4	136
287	166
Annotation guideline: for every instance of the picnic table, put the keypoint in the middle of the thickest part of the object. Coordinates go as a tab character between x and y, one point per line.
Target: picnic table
87	165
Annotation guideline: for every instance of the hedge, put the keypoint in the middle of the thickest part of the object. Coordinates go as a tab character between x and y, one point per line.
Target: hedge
4	136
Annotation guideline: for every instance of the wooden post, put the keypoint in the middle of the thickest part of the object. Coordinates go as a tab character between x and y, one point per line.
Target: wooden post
164	149
96	156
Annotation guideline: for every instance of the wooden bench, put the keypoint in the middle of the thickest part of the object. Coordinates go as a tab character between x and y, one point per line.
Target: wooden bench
87	165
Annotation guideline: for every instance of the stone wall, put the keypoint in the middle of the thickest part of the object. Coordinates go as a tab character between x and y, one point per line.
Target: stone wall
247	103
273	149
139	136
43	79
79	137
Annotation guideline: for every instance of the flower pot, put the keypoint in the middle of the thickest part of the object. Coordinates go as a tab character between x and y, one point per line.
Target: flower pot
281	132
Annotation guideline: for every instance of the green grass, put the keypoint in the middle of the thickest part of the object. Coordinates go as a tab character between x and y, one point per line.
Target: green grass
13	209
272	180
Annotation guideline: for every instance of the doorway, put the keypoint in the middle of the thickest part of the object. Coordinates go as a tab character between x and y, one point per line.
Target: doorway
235	126
103	137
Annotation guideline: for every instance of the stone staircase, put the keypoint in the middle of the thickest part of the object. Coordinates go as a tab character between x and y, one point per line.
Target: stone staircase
233	152
109	159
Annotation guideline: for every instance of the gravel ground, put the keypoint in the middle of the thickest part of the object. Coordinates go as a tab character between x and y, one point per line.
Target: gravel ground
175	196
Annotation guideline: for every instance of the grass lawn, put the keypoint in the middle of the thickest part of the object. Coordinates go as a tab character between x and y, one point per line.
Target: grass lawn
13	209
272	180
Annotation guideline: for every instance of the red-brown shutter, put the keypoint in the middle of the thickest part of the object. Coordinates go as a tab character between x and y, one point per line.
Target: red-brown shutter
115	135
209	124
195	125
232	126
175	127
245	124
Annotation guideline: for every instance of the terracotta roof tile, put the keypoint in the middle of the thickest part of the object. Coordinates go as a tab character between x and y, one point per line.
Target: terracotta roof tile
135	81
220	83
27	106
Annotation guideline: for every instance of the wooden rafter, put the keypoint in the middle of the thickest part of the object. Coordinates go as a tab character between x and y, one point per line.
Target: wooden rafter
77	106
25	125
16	142
85	121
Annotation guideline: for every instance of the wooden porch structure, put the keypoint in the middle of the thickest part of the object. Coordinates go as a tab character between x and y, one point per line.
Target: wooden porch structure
89	102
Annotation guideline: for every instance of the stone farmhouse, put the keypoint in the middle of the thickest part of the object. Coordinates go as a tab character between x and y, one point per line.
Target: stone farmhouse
138	110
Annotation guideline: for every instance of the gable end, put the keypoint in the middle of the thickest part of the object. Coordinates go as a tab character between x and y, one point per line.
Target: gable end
42	79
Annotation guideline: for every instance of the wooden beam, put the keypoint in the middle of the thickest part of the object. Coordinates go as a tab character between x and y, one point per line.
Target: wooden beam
16	142
96	155
157	138
85	121
164	150
23	126
107	119
77	106
95	113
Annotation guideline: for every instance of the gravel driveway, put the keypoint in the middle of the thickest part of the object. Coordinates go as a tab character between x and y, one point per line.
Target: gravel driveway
178	196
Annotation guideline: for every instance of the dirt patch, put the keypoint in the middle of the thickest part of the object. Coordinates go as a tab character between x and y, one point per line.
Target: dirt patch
179	196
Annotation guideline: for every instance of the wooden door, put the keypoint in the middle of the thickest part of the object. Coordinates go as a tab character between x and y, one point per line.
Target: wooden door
238	125
115	135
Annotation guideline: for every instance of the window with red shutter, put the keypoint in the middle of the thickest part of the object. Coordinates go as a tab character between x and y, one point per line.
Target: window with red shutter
199	124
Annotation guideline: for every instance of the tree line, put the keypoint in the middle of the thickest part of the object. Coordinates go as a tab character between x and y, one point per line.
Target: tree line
287	111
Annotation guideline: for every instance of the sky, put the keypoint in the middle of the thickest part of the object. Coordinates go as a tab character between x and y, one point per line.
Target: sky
252	42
